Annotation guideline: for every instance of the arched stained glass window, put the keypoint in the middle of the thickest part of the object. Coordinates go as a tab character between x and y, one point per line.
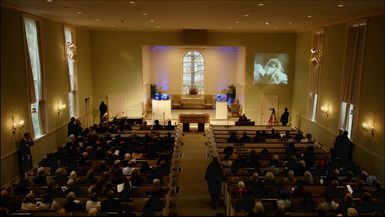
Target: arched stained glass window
193	71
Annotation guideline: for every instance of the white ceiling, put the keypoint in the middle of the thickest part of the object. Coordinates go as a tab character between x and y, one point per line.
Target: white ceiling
213	15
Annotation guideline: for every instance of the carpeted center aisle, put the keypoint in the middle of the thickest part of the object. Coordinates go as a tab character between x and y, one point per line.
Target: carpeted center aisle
194	199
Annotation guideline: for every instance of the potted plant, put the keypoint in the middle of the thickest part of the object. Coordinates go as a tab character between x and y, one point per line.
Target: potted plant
153	90
230	93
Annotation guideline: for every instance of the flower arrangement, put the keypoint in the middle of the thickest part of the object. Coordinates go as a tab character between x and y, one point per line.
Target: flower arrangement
157	93
231	93
193	90
222	97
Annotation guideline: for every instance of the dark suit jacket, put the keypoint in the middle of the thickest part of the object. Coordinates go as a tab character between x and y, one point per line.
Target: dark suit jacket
25	155
72	129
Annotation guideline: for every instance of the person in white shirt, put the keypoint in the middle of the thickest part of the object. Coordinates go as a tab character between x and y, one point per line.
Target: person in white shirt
47	203
309	138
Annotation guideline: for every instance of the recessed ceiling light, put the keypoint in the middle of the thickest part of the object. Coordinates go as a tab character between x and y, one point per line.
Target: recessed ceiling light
340	5
267	23
144	14
237	21
246	15
50	1
97	20
309	16
261	4
151	21
79	12
132	3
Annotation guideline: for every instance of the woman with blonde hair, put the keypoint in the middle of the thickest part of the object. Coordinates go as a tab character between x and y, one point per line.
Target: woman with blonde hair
308	178
269	178
290	179
74	176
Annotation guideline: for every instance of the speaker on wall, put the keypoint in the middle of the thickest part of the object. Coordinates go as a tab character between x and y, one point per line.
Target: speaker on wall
194	36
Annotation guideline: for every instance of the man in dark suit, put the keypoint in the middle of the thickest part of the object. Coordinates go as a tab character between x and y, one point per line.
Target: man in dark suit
72	128
343	147
214	178
102	109
25	153
285	118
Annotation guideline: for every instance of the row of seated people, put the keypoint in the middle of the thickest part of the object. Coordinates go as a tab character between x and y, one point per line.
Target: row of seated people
301	197
80	151
292	159
116	126
262	135
110	199
112	168
295	194
288	185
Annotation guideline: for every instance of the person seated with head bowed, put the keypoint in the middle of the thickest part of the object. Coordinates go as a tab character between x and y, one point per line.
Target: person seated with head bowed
110	204
245	138
144	126
258	210
169	126
41	178
28	203
233	137
157	126
73	205
243	118
290	179
307	203
259	137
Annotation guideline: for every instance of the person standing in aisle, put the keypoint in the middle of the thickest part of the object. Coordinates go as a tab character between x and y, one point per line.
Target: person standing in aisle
214	178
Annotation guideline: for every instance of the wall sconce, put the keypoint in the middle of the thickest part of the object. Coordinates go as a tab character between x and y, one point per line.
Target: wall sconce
314	50
315	60
60	108
316	56
368	127
325	110
71	50
15	125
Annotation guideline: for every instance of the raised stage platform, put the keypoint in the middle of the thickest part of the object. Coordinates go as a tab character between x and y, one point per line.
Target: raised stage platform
211	112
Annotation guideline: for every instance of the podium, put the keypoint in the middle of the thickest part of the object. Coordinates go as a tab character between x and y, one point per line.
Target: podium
161	110
221	110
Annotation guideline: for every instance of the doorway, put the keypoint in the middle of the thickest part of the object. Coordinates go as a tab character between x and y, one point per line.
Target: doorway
268	102
88	117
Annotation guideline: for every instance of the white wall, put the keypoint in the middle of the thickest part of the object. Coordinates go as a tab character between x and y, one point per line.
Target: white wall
240	76
166	67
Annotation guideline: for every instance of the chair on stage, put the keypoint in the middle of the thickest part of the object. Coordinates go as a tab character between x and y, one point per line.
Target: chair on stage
209	101
236	109
176	101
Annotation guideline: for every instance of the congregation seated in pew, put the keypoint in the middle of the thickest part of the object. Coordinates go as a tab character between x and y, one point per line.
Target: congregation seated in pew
83	175
294	173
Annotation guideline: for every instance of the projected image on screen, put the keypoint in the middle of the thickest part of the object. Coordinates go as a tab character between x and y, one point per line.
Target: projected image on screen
270	68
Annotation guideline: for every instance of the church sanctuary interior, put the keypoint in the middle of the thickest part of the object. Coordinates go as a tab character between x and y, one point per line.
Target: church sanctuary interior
192	108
